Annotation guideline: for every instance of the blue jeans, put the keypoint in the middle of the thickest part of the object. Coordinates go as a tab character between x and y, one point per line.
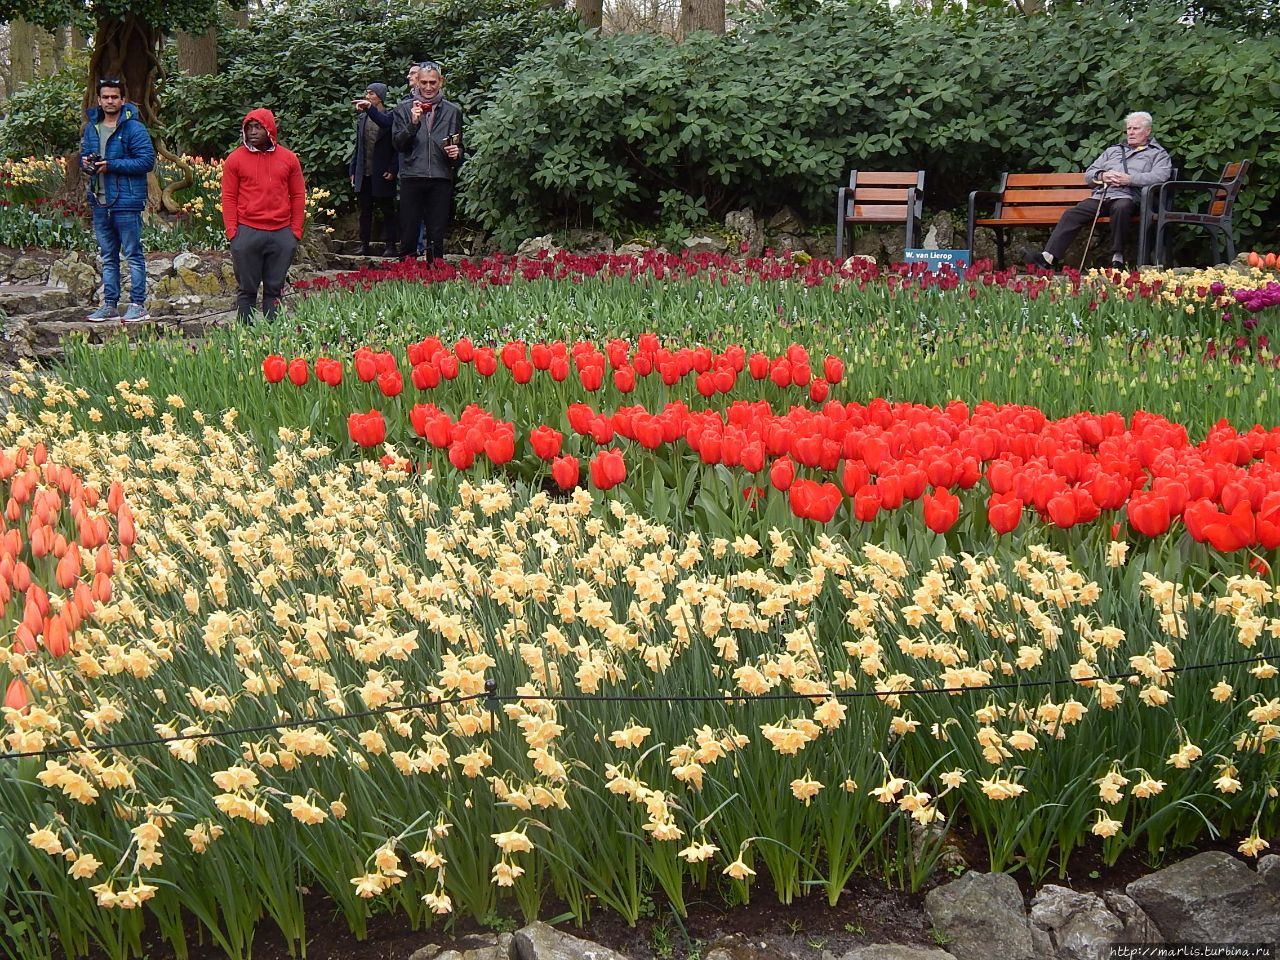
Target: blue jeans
117	232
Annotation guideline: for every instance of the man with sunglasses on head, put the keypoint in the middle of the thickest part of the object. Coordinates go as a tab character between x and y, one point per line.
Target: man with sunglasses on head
426	129
116	154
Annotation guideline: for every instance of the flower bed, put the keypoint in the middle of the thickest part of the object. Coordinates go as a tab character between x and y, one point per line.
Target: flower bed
419	601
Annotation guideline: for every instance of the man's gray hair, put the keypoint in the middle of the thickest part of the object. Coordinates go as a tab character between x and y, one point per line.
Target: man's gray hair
430	66
1141	116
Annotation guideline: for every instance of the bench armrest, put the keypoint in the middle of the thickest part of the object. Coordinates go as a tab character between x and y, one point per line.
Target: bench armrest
1170	187
974	197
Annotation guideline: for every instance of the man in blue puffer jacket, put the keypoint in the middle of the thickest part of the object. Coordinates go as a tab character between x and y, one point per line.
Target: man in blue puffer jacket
116	155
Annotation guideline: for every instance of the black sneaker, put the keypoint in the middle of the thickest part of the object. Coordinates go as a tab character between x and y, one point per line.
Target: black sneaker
1035	258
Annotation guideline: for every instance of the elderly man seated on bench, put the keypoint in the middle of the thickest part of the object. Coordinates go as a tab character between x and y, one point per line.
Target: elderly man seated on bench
1119	174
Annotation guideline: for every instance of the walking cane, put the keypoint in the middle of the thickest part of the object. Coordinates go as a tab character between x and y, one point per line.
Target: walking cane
1101	200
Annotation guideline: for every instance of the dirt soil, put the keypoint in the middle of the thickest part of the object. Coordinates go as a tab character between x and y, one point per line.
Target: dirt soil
868	912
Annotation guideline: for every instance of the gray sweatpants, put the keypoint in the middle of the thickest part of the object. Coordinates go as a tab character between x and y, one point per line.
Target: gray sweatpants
261	258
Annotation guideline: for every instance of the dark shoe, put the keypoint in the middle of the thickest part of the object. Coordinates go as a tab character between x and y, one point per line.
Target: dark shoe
1035	258
1117	263
365	250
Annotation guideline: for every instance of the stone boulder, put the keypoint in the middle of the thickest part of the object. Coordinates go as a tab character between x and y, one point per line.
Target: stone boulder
745	225
940	233
737	946
704	244
158	267
786	220
1138	927
1211	897
895	951
589	242
1073	926
25	269
79	278
981	916
1269	871
488	946
187	261
539	941
535	247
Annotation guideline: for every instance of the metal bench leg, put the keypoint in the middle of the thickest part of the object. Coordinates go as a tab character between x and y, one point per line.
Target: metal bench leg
840	226
999	248
1230	237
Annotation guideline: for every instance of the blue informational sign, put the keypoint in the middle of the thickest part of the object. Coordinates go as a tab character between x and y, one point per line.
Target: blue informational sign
934	259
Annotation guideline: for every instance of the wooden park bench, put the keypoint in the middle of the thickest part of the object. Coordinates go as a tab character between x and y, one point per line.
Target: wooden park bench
1040	200
880	197
1213	213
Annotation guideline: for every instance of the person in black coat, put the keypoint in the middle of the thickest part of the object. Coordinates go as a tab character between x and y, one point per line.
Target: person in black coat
374	165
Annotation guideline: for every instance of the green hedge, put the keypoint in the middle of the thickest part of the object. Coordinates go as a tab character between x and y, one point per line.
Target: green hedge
598	131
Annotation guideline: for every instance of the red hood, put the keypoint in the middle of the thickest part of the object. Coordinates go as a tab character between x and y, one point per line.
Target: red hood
264	117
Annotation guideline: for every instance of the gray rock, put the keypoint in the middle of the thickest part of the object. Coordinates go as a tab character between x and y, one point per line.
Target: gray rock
1138	927
981	915
736	946
6	263
745	225
633	249
1072	925
895	951
589	242
159	267
79	279
705	244
475	947
187	261
940	233
786	220
538	941
26	268
1213	897
535	247
1269	871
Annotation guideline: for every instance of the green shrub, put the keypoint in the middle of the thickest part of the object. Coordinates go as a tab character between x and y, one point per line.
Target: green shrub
45	118
597	131
308	59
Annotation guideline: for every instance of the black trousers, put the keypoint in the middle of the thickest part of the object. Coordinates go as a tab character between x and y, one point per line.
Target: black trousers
1119	209
261	258
386	207
424	201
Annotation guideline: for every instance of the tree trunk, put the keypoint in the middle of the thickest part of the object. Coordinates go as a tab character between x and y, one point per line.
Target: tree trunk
701	15
49	46
22	42
198	53
591	13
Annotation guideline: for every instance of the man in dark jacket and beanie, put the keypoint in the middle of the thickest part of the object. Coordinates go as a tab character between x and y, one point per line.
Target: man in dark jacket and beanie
427	131
263	210
116	155
373	167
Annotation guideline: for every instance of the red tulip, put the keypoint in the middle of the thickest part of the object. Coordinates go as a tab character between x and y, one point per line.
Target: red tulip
1148	513
782	474
608	469
814	501
486	362
866	502
546	442
298	372
390	383
500	447
1004	511
565	471
833	369
941	510
624	379
522	371
367	429
328	371
461	455
366	366
274	368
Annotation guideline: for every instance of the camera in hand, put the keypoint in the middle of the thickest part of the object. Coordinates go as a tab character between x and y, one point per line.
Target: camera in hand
91	160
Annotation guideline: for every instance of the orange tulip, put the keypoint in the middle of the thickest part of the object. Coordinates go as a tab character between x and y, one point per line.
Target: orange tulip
21	576
40	454
56	640
24	641
1255	259
17	697
115	496
83	599
101	588
38	594
125	531
102	562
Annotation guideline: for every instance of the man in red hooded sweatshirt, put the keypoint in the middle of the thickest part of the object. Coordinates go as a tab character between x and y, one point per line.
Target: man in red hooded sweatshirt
263	209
